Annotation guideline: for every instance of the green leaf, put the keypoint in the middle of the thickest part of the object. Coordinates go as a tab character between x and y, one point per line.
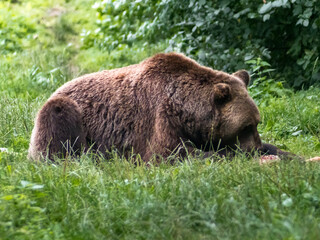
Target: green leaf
296	133
265	8
287	202
33	186
251	61
266	17
279	3
7	197
202	2
297	10
307	13
265	64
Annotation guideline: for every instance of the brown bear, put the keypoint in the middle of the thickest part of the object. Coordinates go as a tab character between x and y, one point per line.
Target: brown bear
164	104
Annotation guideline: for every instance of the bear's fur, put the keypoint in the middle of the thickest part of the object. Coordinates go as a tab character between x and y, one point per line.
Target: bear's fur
154	107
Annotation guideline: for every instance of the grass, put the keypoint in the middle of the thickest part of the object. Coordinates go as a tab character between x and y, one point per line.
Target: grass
195	199
190	200
293	122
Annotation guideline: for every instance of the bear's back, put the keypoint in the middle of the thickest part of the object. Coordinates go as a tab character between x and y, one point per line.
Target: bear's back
116	107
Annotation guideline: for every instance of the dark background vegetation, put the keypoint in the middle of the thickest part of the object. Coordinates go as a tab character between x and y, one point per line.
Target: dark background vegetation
222	34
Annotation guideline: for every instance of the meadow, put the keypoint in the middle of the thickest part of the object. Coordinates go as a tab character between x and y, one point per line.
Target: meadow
41	45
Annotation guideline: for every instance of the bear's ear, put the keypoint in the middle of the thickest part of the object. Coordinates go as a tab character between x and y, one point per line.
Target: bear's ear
222	92
243	75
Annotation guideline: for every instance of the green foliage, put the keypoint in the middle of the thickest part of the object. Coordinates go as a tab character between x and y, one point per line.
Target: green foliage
33	72
264	87
190	200
294	118
220	34
16	31
16	122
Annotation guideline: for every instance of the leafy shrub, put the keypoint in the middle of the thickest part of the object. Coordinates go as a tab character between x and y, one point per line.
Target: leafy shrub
264	86
221	34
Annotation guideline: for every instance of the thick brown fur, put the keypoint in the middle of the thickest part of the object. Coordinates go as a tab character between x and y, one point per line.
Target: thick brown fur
58	129
149	108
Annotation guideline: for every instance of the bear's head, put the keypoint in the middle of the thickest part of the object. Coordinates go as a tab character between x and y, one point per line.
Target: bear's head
213	109
237	116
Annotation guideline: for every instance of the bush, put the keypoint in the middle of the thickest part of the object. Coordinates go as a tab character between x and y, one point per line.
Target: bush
264	87
220	34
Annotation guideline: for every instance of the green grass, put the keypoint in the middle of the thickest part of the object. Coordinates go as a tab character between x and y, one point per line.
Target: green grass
293	122
191	200
195	199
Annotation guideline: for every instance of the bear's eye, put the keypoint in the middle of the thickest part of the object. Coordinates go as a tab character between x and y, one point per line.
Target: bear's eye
248	129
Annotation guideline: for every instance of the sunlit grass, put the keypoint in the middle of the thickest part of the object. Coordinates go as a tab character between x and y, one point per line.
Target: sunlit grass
189	200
